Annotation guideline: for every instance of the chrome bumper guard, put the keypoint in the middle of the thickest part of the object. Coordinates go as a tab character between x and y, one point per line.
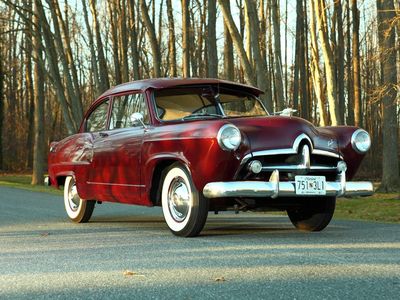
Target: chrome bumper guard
274	188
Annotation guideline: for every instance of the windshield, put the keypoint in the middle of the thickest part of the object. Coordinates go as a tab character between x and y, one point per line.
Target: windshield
201	102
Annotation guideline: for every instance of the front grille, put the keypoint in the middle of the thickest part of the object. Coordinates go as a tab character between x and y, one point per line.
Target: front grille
290	165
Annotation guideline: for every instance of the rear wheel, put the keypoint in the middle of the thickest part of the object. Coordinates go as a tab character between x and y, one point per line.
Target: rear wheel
78	210
313	214
185	210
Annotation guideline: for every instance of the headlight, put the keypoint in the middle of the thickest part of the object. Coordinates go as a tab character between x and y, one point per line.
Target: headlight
360	141
229	137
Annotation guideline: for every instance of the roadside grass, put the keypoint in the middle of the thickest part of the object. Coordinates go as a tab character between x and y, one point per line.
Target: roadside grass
380	207
24	182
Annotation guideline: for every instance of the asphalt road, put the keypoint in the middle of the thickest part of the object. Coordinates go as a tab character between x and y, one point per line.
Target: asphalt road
245	256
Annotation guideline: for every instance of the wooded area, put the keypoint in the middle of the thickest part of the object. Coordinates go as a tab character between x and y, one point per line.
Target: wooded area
335	61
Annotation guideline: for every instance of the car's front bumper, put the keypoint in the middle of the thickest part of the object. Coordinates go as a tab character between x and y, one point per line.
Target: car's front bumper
274	188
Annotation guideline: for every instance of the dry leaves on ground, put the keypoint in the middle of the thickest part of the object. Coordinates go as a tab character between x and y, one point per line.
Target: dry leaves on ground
219	279
132	273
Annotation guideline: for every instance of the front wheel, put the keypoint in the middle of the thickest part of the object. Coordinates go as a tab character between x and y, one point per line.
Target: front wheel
78	210
185	210
313	214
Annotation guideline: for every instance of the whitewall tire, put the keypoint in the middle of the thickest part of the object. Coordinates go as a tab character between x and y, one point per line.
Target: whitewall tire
185	210
78	210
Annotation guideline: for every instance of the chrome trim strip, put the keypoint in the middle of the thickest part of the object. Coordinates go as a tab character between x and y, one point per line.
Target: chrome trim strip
293	151
325	153
305	153
285	189
115	184
274	152
298	140
298	168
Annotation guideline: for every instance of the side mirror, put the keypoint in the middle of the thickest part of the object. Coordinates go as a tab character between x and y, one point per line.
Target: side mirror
137	117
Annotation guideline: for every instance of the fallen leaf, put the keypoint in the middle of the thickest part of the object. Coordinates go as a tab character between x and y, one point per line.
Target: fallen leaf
129	273
219	279
132	273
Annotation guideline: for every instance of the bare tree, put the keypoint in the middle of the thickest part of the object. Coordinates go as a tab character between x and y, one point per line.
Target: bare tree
151	32
103	69
38	149
320	11
339	51
356	64
93	56
185	38
1	104
260	66
229	71
237	42
171	40
212	40
315	70
387	49
277	55
133	39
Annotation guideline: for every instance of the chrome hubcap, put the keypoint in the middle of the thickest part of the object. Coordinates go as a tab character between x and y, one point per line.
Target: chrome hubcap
178	199
73	198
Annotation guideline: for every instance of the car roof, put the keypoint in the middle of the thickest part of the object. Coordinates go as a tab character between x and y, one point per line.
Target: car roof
162	83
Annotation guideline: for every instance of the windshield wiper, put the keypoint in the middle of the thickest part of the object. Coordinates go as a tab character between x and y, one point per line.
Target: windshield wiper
201	115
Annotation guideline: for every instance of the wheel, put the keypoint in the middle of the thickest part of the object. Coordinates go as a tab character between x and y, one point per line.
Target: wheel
78	210
314	214
185	210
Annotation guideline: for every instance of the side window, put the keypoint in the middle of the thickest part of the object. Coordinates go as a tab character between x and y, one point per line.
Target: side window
124	106
97	120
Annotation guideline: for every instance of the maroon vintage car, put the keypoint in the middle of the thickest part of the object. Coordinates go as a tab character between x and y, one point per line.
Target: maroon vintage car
199	145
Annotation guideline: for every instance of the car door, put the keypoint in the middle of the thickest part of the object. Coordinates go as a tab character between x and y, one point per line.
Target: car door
116	161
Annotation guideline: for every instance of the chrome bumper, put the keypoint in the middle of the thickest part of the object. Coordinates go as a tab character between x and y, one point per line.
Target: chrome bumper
273	188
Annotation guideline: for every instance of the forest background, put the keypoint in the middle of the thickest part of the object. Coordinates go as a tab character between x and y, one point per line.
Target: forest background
336	61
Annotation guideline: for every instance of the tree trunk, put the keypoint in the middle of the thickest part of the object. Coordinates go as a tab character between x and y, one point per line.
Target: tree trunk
315	71
259	62
54	70
38	149
356	64
237	42
171	40
65	57
29	83
212	40
1	105
387	49
133	40
76	101
151	32
93	56
277	55
112	12
340	58
248	29
229	71
123	39
320	11
350	94
103	70
185	39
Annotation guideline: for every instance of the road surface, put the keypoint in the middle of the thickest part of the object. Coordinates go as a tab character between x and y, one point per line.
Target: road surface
127	252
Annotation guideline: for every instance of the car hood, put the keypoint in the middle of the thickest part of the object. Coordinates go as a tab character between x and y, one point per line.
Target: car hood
279	132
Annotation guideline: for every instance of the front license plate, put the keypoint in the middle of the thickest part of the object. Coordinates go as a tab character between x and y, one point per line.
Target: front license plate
310	185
